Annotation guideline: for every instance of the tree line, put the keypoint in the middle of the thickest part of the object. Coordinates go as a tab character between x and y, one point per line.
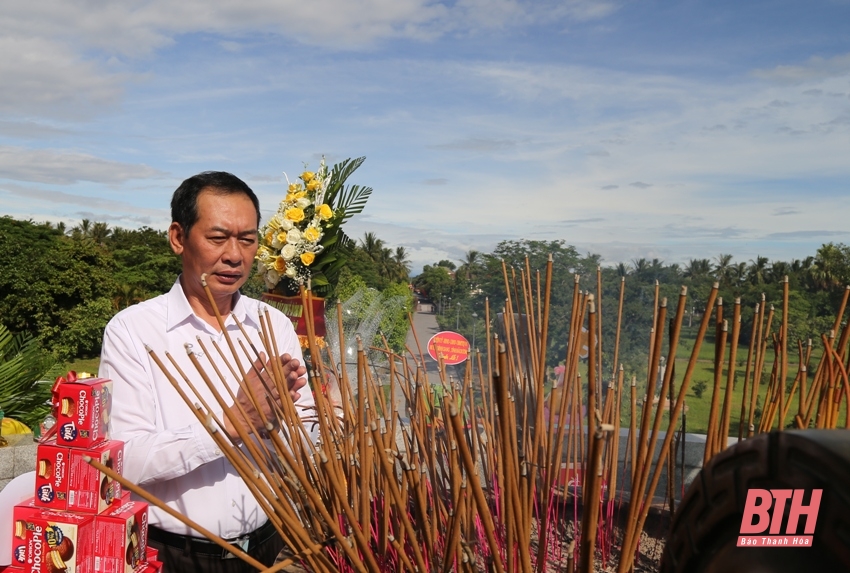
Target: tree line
61	285
817	285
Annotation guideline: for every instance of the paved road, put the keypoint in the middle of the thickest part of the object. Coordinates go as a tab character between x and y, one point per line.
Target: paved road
425	325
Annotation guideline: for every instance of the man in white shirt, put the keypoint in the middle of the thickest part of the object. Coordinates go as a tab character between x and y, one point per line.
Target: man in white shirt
215	220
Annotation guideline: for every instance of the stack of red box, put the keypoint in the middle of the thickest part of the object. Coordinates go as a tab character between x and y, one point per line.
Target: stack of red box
79	520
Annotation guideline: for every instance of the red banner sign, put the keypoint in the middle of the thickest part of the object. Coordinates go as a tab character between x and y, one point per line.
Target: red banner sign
453	347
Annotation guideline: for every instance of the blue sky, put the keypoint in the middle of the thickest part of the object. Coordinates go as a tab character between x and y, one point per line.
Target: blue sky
674	130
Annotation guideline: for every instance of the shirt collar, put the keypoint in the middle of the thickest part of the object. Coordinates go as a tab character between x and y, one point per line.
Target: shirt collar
179	310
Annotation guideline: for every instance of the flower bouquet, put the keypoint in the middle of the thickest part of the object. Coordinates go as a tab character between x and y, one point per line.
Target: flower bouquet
303	243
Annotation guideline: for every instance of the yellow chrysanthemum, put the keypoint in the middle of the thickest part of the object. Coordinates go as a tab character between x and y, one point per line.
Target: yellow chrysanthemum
294	214
324	211
269	237
307	258
313	185
294	187
279	264
293	197
307	176
311	234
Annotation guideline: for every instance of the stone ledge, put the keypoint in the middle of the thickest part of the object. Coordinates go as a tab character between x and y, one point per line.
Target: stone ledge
18	457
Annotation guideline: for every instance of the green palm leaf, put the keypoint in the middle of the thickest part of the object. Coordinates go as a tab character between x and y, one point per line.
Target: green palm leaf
353	199
22	364
340	172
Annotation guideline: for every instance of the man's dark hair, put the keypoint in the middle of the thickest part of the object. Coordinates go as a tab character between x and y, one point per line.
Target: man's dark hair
184	202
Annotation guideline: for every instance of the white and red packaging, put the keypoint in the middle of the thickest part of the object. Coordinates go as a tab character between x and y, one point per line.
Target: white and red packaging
46	541
64	481
122	537
82	409
150	567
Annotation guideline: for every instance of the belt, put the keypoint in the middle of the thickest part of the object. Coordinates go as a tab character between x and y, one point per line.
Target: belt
203	546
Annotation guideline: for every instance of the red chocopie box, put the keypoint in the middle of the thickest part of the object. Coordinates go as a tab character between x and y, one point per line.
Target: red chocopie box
47	541
64	481
83	409
122	537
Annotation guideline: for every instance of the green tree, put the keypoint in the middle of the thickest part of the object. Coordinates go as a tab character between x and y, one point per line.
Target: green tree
46	280
22	364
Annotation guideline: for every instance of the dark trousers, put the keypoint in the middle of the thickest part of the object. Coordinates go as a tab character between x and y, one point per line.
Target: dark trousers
184	560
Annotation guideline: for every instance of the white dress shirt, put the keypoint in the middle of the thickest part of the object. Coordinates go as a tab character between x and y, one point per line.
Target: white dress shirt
167	451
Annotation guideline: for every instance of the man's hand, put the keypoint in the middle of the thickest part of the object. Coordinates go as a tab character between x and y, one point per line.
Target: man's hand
258	378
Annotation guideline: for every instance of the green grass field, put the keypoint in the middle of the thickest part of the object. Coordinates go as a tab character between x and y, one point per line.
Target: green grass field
698	409
89	365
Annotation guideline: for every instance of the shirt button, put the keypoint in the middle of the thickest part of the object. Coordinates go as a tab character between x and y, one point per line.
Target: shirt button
217	452
233	503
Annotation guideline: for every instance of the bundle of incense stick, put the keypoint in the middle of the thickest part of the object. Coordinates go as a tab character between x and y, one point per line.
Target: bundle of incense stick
483	475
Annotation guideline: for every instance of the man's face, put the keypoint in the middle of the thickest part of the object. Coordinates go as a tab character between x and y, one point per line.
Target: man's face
222	243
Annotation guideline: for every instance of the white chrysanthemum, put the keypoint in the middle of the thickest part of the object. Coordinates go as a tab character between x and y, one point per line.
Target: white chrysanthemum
291	271
303	203
293	236
286	224
276	244
287	252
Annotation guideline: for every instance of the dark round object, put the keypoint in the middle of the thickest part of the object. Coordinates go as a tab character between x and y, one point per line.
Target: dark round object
705	529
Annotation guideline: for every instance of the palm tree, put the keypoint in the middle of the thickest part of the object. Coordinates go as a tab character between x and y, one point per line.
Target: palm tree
739	271
386	263
724	269
639	266
757	271
470	263
778	271
126	296
830	266
99	232
82	231
402	263
22	365
697	269
372	246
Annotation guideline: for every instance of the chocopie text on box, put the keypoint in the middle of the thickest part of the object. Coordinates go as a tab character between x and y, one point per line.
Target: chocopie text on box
83	409
47	541
64	481
122	534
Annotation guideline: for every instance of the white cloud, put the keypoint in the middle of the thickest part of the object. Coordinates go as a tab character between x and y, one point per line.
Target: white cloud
44	78
138	27
816	68
67	167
